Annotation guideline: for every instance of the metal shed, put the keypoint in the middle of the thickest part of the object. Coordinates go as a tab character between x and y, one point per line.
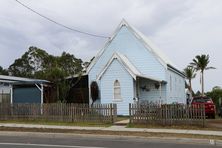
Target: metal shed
24	90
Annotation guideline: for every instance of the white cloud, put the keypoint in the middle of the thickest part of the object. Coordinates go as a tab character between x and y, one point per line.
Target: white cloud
182	29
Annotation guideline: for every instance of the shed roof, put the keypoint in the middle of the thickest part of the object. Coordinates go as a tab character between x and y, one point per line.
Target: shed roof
18	80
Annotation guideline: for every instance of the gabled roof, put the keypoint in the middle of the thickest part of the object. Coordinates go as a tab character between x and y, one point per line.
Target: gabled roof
143	39
130	68
152	47
15	80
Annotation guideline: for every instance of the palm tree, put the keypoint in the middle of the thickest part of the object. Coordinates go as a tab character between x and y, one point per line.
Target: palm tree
200	63
190	74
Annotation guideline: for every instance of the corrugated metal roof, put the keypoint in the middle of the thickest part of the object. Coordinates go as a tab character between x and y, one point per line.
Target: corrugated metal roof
13	79
7	81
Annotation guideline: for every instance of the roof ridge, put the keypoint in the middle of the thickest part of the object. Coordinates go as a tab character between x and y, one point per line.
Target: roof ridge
152	47
161	57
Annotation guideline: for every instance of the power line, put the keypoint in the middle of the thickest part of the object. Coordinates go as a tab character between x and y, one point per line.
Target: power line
60	24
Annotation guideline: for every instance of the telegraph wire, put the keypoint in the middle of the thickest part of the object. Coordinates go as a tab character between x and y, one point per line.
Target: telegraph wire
60	24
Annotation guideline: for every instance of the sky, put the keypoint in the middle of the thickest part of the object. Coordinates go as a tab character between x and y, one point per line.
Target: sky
182	29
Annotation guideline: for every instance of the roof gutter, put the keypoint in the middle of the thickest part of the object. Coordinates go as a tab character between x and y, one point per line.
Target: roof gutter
152	79
170	67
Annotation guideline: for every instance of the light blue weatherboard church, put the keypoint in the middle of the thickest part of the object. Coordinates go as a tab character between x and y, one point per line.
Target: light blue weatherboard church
130	68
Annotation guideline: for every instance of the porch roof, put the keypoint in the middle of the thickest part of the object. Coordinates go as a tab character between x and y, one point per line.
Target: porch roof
153	79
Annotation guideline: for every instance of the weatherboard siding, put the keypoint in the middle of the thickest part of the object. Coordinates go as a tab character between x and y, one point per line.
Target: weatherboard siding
117	72
127	44
151	93
4	89
175	88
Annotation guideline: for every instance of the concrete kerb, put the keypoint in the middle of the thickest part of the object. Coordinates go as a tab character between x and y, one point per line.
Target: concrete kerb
115	128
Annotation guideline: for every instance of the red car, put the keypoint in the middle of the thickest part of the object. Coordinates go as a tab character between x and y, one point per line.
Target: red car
210	108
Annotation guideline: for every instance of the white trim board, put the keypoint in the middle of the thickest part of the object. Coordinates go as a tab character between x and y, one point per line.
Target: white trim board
129	67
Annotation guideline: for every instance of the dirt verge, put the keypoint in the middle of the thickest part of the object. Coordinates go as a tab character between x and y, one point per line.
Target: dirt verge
117	133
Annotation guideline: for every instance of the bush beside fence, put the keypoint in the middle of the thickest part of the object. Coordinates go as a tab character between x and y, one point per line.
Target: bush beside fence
100	113
167	114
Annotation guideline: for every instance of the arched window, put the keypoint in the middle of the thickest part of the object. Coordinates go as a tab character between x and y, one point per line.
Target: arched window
117	90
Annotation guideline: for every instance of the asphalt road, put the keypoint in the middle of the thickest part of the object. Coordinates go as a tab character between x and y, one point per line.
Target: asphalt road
35	140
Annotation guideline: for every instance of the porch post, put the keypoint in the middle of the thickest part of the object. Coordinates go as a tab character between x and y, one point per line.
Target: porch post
42	93
41	90
11	94
41	101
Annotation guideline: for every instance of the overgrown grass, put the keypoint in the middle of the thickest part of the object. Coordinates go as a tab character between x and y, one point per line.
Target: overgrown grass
45	122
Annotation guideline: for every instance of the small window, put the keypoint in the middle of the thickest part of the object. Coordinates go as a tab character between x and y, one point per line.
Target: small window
117	90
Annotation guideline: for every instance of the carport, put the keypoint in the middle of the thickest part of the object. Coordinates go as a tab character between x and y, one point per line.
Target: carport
25	90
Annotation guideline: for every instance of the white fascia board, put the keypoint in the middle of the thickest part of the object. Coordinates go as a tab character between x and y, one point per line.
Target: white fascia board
97	57
133	75
140	37
116	56
105	67
150	78
173	69
7	81
128	64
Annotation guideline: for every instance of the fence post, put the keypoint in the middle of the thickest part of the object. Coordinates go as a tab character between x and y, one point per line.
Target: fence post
111	113
130	113
165	116
204	116
147	111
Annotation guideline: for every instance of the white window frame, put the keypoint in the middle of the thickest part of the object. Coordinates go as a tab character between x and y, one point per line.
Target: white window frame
118	87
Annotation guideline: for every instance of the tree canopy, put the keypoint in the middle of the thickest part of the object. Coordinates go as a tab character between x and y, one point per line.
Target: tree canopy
190	74
200	63
216	95
3	71
37	63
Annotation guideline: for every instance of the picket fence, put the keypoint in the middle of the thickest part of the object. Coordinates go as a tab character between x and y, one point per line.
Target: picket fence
100	113
167	114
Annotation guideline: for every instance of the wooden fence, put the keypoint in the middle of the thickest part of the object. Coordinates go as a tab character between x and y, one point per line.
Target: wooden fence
101	113
168	114
4	98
